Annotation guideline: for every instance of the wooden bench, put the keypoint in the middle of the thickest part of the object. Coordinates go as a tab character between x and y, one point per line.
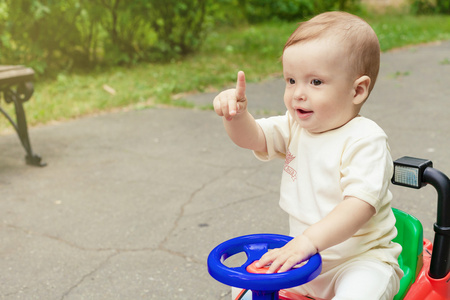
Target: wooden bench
16	85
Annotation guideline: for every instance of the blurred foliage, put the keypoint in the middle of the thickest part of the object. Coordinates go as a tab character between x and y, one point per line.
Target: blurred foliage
55	36
228	47
430	6
257	11
52	36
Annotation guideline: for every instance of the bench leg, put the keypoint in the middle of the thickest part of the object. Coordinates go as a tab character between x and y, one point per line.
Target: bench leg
20	95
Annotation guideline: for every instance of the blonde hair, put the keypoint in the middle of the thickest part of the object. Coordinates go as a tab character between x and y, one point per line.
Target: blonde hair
356	36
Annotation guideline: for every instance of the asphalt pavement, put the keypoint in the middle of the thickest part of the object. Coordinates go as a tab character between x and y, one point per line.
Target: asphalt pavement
132	202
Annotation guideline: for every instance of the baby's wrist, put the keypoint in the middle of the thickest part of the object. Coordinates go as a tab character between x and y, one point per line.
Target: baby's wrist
311	245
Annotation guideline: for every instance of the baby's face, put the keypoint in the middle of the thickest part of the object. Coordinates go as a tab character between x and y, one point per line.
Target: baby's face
319	85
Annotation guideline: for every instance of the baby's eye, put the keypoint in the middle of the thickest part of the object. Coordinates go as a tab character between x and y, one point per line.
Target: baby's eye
291	81
316	82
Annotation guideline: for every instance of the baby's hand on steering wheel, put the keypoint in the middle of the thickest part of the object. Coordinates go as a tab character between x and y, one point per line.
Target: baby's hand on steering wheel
232	102
283	259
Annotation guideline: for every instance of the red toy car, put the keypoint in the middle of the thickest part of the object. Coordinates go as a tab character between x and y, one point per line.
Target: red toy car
426	266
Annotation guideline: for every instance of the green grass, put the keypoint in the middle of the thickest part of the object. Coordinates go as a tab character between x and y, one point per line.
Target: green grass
255	49
402	30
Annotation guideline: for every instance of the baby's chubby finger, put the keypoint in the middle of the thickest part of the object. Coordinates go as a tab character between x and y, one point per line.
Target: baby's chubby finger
232	108
287	265
266	259
233	101
280	263
225	104
240	87
217	105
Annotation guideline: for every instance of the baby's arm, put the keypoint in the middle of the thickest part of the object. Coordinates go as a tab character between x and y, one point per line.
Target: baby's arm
339	225
239	123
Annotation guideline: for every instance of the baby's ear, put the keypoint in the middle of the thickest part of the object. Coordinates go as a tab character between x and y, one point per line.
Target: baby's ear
361	89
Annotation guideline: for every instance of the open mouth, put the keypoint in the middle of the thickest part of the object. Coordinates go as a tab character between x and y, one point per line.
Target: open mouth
303	113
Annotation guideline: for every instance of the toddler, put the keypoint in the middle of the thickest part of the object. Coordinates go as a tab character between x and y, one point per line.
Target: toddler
337	163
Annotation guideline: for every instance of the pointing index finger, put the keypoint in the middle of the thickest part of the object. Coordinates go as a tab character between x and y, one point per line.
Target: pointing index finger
240	86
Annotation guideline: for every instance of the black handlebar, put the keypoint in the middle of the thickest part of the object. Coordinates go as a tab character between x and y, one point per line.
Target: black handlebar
440	259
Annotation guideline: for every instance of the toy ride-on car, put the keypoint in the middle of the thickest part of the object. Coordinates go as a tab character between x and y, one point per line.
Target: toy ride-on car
426	265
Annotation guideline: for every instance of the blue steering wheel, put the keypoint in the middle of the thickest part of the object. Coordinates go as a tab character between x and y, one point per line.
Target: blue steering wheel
255	246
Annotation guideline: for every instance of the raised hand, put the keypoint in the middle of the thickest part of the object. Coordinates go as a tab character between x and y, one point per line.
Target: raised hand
232	102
